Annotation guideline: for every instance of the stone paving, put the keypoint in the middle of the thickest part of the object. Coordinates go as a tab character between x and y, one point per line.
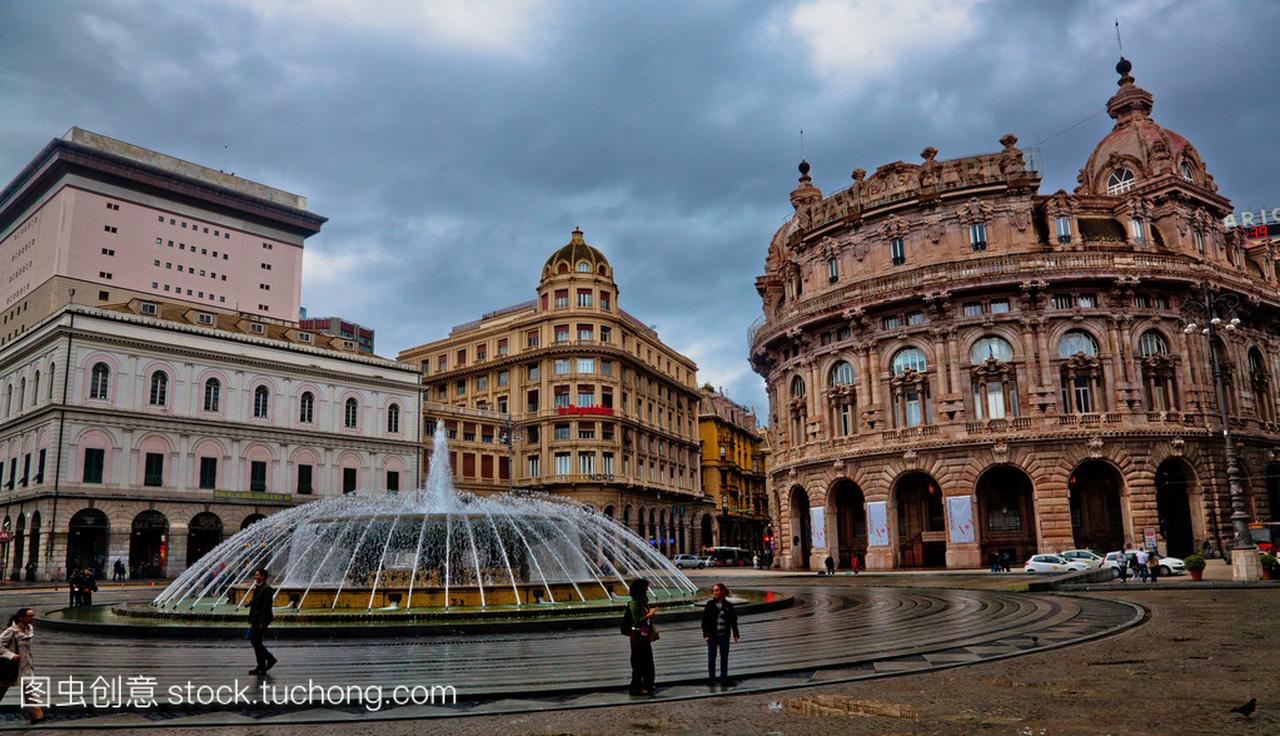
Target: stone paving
836	632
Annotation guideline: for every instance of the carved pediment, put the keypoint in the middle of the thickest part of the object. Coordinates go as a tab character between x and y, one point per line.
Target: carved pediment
842	394
894	227
973	211
1083	365
993	370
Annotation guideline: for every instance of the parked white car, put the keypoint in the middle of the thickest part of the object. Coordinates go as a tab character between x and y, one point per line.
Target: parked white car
1168	565
1053	563
1089	557
694	561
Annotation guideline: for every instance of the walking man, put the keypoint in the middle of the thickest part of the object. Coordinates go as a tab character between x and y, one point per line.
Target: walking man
117	573
1153	566
719	621
1142	564
830	564
260	615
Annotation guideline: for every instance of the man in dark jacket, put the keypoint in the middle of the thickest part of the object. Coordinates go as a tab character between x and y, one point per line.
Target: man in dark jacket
719	621
260	615
73	587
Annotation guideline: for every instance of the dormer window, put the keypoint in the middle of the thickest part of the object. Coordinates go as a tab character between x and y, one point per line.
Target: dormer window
1063	225
1120	181
148	308
306	337
204	318
257	328
1185	168
584	267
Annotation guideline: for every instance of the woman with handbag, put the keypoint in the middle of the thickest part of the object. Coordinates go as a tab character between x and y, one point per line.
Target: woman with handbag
15	649
643	634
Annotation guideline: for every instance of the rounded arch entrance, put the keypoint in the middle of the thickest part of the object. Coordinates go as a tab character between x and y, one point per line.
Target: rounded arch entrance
1006	514
1095	487
250	520
801	534
1177	493
87	540
708	532
922	525
851	523
149	545
204	532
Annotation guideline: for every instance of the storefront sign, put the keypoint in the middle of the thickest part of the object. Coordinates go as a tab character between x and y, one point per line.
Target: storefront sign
585	410
817	527
1261	218
251	496
5	535
877	524
1149	538
960	519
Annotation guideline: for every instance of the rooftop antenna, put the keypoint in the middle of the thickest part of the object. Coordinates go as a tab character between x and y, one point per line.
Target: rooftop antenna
1118	44
802	143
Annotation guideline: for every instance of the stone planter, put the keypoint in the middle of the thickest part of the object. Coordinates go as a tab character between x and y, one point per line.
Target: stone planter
1196	574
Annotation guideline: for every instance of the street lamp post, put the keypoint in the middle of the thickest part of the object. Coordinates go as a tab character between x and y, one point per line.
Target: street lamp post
509	430
1216	313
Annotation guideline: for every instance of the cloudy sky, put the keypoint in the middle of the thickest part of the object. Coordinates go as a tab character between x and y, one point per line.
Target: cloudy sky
455	143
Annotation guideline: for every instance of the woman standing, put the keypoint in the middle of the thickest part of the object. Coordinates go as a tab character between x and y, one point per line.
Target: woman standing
15	645
640	614
719	622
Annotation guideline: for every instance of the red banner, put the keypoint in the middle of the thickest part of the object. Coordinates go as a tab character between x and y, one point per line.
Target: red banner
582	410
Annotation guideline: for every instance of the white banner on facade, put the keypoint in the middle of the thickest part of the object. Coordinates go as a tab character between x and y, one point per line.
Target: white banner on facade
877	524
960	519
817	527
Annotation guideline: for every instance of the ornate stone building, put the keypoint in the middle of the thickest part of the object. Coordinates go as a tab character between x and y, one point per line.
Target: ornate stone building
733	471
596	406
959	366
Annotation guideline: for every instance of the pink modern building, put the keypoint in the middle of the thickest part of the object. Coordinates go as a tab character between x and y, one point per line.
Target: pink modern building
93	220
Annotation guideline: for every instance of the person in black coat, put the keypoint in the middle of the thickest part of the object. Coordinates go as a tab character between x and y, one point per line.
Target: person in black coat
73	587
88	586
260	615
719	622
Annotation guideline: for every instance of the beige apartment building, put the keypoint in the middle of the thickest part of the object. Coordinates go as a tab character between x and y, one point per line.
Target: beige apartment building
571	395
733	471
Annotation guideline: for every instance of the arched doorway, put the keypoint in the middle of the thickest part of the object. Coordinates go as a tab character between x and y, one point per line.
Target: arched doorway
33	549
204	532
1006	514
922	525
250	520
801	534
1096	522
148	545
19	547
1175	486
708	534
87	541
851	523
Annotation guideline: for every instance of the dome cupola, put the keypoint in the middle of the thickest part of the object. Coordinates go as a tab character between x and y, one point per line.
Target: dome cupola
577	256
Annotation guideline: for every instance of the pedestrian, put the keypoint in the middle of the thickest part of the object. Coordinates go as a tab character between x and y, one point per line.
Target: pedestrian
830	565
260	615
73	586
1132	562
1142	564
117	572
1005	559
719	621
755	561
88	586
855	563
15	646
639	620
1153	566
31	571
1122	568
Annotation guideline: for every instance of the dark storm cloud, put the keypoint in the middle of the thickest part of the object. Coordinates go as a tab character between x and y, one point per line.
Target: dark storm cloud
454	151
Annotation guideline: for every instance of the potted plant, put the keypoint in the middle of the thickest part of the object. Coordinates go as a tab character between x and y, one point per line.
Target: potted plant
1195	566
1270	567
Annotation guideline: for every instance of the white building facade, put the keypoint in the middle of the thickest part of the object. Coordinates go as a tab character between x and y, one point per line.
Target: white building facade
149	440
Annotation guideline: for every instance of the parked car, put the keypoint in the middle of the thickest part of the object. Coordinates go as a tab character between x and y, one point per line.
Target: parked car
1053	563
693	561
1114	560
1168	565
1089	557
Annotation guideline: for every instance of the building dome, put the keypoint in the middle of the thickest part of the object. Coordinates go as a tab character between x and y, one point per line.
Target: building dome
1138	149
577	256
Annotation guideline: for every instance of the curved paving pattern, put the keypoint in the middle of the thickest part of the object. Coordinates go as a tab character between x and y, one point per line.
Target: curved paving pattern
830	635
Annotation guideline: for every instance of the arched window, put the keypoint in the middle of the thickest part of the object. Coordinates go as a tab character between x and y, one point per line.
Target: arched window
1157	372
212	394
8	400
52	371
909	358
1120	181
1077	342
393	419
306	408
1260	382
841	374
22	394
843	398
100	381
351	414
1081	380
910	388
584	267
261	402
159	388
35	389
798	411
995	394
797	387
1185	168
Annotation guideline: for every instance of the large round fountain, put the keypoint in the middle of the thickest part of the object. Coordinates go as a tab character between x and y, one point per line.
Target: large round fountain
428	549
